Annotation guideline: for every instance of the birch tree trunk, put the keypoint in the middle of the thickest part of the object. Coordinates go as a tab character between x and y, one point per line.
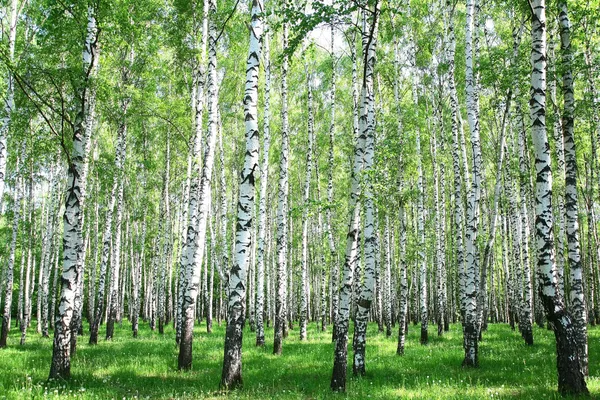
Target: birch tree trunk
29	270
489	246
9	96
338	378
367	130
116	251
335	272
282	204
403	289
570	373
11	260
439	224
92	274
262	213
137	279
232	361
104	260
471	261
72	232
193	255
577	297
422	260
306	198
559	178
53	210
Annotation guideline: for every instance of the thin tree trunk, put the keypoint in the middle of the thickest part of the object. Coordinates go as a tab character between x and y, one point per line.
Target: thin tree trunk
282	205
11	259
335	272
403	288
116	251
28	268
262	213
306	198
9	96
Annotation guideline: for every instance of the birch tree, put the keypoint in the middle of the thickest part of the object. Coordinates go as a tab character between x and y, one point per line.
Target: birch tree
72	231
577	297
232	362
282	203
570	372
193	254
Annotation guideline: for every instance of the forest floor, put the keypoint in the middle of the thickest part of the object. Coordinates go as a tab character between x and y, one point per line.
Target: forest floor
146	367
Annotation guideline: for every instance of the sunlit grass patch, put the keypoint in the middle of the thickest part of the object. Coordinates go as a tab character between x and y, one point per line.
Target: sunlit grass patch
147	367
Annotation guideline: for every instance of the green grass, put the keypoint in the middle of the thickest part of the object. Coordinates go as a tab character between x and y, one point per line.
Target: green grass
146	367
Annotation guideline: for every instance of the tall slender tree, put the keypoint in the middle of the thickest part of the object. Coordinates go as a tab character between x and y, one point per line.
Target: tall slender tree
282	202
232	362
193	256
72	231
570	372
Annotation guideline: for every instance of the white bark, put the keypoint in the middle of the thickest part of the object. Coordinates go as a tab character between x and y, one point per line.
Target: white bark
9	102
282	205
474	195
72	232
116	251
7	312
306	198
577	297
262	213
232	363
570	374
193	254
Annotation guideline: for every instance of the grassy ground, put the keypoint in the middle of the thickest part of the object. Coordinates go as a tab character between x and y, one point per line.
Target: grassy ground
146	367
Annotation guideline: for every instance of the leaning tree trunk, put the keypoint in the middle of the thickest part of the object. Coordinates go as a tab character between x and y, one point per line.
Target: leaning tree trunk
578	306
570	374
232	361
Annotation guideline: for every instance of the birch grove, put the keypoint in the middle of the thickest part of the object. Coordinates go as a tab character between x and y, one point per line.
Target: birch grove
373	172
